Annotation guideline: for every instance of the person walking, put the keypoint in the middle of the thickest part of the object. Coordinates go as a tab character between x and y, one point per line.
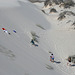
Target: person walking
69	61
52	57
5	30
32	41
14	31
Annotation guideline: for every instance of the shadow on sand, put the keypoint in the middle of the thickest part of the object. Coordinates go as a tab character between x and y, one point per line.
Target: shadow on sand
73	65
58	62
49	67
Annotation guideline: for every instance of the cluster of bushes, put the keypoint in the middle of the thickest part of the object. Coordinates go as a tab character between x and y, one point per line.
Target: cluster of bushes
40	26
66	3
50	2
62	15
47	2
33	1
73	23
53	10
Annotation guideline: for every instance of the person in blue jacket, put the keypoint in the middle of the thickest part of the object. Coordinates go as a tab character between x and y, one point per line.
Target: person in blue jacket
14	31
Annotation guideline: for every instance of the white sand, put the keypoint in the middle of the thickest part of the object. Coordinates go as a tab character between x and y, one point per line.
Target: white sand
18	56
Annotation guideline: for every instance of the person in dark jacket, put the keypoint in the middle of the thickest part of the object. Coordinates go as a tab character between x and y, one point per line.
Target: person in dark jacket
32	41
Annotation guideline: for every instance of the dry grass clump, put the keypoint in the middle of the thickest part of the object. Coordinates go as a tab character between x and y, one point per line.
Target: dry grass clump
73	23
51	2
68	4
62	15
33	1
40	26
53	10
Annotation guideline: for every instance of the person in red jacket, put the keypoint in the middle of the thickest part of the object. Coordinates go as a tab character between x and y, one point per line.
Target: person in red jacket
5	30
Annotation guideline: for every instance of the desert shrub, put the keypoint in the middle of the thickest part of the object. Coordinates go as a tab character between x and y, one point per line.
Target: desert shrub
68	13
62	15
53	10
72	13
68	4
43	11
61	5
47	2
55	1
73	23
60	1
68	21
33	1
40	26
50	2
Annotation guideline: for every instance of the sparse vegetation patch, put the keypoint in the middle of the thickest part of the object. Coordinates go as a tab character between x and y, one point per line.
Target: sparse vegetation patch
53	10
43	11
62	15
68	4
40	26
73	23
33	1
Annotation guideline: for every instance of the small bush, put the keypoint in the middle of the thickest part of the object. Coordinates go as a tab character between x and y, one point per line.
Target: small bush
73	23
62	15
53	10
33	1
43	11
51	2
68	13
47	2
68	4
40	26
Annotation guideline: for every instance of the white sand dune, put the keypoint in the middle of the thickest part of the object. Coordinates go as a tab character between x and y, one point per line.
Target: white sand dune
8	3
18	56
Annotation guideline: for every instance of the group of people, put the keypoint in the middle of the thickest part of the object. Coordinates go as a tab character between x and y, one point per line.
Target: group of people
52	55
7	31
69	63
